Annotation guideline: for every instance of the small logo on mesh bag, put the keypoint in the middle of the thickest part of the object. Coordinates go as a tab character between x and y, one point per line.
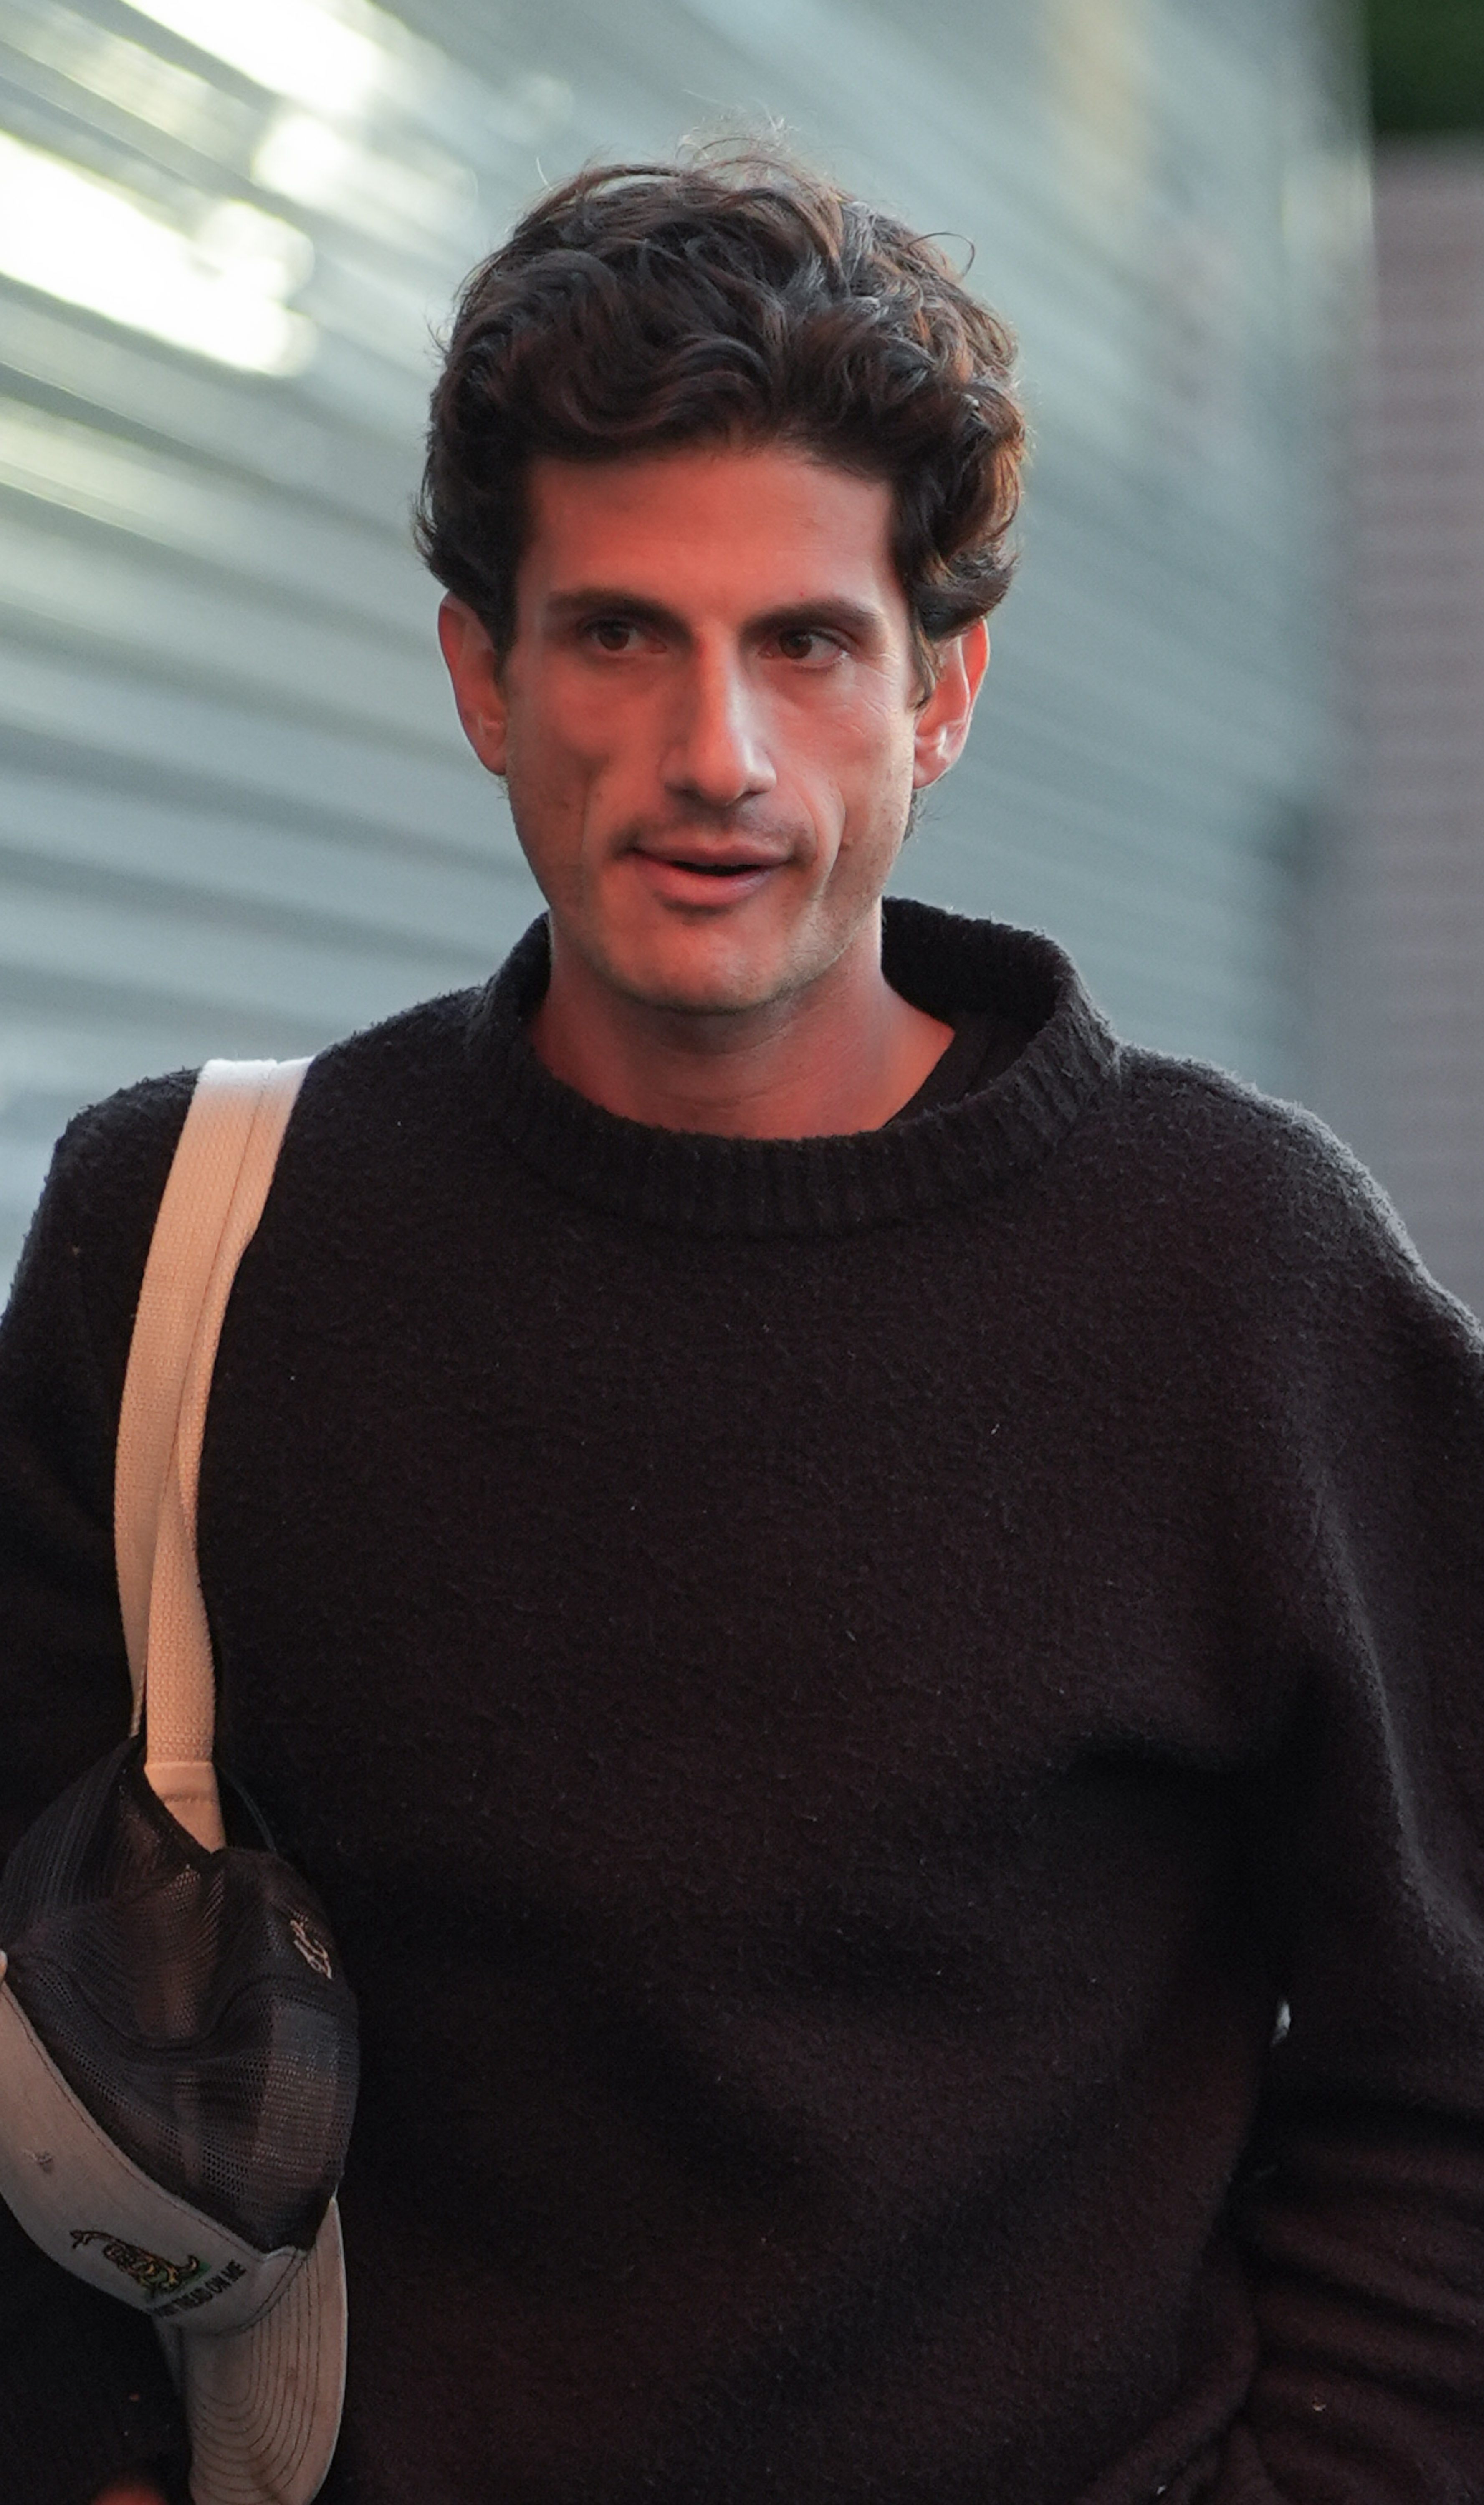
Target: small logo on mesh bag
156	2277
311	1948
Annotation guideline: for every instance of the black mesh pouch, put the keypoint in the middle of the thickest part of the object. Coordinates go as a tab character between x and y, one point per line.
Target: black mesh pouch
193	2000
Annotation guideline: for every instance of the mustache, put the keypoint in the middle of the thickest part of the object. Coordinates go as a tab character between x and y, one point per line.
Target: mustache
741	822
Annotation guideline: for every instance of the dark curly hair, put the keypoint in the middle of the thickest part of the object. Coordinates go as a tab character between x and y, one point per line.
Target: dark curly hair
639	307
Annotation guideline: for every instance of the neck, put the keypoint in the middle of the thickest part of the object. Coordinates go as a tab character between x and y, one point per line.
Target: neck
843	1055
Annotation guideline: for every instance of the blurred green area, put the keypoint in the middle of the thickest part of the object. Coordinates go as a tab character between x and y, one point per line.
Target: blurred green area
1427	64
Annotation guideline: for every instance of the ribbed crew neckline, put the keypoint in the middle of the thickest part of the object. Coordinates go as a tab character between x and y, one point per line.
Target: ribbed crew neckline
705	1184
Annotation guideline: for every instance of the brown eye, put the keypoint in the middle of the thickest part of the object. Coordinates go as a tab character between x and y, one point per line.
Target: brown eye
611	634
807	647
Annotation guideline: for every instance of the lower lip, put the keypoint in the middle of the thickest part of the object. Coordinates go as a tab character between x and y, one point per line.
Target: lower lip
680	885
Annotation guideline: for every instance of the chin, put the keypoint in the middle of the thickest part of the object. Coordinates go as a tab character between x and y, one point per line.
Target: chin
697	996
701	989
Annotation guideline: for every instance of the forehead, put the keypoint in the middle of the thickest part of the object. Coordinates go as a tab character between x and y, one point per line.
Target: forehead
744	528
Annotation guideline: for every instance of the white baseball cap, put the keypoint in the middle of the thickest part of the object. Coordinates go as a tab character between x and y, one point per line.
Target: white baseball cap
178	2069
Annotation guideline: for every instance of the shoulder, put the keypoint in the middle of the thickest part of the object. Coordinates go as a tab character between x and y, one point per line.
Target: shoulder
114	1156
1219	1136
384	1119
117	1152
402	1060
89	1238
1267	1199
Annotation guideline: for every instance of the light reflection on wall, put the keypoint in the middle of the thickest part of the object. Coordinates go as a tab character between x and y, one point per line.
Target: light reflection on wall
329	106
338	59
222	288
233	811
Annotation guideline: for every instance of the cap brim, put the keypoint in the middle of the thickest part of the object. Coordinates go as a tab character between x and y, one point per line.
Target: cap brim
262	2398
263	2403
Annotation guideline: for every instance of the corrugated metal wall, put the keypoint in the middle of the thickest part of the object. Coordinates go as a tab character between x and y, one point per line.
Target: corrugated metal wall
235	814
1407	1037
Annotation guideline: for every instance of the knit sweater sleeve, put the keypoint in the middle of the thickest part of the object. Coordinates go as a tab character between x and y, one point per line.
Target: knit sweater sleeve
85	2394
1364	2207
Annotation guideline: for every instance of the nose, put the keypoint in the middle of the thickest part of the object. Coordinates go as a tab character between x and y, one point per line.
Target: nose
718	754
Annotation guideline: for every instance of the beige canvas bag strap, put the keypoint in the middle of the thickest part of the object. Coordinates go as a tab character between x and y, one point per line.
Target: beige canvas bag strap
211	1204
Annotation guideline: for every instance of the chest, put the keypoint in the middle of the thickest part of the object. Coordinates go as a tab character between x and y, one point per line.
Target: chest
727	1568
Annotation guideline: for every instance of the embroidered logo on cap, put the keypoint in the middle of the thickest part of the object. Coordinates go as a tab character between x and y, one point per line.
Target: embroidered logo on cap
224	2279
156	2277
311	1948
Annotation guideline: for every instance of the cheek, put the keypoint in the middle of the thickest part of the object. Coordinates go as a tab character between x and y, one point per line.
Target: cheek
549	765
876	794
850	766
588	744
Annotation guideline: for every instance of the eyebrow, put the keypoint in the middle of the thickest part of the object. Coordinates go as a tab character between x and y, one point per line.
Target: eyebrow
854	619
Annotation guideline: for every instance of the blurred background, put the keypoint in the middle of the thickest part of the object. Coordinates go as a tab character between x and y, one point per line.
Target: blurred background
1233	747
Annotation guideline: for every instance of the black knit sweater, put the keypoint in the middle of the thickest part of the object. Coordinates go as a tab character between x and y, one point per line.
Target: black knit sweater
832	1688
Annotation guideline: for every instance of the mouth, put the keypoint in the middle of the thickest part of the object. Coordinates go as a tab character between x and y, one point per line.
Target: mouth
705	877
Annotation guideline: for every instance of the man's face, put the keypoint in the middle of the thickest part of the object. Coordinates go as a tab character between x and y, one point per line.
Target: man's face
709	719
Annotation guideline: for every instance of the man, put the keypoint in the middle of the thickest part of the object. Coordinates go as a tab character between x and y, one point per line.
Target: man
865	1606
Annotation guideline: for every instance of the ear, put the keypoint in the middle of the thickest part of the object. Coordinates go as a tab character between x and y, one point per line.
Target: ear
943	723
476	675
